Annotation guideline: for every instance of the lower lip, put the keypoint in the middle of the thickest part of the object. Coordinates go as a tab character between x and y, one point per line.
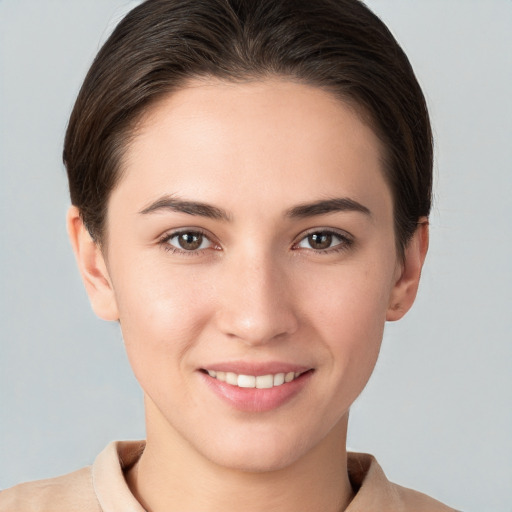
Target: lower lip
254	399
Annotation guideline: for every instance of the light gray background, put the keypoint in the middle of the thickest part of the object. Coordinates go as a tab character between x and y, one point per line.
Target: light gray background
437	412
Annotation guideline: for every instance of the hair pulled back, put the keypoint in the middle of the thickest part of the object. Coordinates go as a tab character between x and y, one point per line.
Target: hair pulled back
339	45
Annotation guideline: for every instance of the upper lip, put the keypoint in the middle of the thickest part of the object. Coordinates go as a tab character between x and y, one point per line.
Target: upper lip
256	368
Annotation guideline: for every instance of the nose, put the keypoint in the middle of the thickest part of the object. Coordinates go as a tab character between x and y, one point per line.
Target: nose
256	302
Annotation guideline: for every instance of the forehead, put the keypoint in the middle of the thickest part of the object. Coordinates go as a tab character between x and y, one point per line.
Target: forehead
252	138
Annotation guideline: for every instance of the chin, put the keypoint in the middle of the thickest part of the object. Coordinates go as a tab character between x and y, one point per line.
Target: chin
256	461
259	454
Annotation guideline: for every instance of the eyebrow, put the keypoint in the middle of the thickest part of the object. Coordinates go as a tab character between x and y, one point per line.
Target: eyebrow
322	207
191	207
341	204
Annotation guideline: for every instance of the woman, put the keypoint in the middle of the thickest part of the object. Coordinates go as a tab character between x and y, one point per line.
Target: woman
251	185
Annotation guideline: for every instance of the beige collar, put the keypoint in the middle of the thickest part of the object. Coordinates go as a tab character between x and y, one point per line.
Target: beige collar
373	490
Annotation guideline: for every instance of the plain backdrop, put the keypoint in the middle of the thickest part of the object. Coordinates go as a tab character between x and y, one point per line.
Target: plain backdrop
438	410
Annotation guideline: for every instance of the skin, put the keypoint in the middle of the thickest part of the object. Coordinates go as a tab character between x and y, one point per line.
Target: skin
257	290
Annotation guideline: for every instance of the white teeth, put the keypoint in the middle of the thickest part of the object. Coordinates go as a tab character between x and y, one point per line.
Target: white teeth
231	378
251	381
278	379
246	381
264	381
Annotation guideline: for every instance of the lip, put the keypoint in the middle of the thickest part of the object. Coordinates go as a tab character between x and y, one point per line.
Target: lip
253	399
256	369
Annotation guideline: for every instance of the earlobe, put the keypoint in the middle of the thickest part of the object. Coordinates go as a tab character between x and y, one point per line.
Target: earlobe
92	266
405	288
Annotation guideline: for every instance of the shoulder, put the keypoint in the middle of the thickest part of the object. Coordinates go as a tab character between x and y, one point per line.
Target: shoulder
101	486
73	492
375	492
418	502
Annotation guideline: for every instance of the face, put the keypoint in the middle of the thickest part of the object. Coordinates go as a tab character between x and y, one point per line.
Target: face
251	261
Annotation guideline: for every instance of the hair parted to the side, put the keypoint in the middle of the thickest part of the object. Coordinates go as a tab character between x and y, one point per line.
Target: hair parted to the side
339	45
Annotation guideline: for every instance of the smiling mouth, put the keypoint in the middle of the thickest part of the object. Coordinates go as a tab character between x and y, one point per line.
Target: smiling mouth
253	381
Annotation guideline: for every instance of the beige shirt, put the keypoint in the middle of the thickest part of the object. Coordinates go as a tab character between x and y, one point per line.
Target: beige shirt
102	488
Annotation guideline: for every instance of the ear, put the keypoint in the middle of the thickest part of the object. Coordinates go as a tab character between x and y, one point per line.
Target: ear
93	268
408	279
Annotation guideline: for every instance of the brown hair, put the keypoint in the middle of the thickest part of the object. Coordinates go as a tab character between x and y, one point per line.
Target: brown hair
335	44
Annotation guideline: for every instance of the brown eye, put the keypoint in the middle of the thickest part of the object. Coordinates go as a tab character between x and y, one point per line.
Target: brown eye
323	241
320	241
189	241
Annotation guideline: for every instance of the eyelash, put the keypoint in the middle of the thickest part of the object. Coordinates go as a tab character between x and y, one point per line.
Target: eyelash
345	241
167	237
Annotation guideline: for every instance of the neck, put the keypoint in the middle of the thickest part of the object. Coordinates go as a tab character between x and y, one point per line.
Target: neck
171	476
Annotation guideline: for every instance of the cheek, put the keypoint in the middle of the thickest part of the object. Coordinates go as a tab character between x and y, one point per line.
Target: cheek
351	299
350	317
162	313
